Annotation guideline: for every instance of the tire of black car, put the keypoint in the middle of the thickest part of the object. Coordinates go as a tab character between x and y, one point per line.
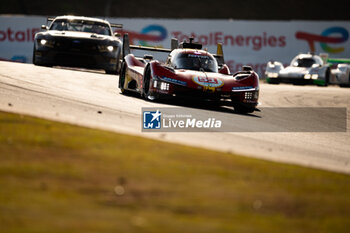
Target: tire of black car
34	60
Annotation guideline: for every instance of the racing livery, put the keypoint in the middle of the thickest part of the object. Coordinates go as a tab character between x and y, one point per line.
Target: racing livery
189	72
80	42
303	69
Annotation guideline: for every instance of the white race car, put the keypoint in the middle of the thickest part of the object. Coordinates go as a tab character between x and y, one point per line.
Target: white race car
304	69
341	73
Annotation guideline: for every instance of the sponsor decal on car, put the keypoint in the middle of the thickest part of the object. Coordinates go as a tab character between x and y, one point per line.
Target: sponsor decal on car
208	82
245	88
174	81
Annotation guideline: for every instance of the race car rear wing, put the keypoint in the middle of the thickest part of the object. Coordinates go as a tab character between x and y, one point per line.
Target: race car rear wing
127	47
338	60
116	25
50	19
326	59
113	25
219	56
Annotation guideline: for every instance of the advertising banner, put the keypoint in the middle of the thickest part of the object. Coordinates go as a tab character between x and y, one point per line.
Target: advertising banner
244	42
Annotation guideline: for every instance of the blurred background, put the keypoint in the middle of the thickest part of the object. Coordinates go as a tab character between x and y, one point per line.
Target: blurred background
252	32
208	9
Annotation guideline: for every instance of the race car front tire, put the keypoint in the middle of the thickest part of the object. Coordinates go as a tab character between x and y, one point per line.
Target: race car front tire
147	92
326	79
35	61
121	84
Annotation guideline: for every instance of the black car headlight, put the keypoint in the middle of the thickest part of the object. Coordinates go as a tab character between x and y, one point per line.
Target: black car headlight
46	42
105	48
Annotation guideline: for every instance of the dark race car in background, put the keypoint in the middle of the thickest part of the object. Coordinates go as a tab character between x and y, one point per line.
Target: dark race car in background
189	72
78	41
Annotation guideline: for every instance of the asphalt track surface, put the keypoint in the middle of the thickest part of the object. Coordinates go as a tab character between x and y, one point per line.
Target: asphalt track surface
92	99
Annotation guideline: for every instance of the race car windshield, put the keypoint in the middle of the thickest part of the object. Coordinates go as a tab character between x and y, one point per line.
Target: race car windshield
195	62
304	62
81	26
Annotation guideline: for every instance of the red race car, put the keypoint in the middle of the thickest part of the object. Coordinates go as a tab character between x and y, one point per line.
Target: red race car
188	71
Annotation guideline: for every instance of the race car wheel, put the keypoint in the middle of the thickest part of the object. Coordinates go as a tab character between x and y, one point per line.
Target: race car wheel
326	79
33	59
147	80
346	84
35	62
328	74
122	79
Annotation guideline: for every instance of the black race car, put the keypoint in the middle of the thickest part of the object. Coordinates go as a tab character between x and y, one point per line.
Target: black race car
78	41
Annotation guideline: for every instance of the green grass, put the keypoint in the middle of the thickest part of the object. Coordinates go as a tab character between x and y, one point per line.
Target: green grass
56	177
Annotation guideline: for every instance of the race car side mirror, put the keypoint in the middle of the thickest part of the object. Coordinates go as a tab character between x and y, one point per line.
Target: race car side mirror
117	34
224	69
44	27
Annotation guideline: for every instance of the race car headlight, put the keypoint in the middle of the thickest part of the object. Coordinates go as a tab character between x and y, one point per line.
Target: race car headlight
161	85
272	75
110	48
307	76
164	86
155	83
46	43
251	95
314	76
105	48
248	95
